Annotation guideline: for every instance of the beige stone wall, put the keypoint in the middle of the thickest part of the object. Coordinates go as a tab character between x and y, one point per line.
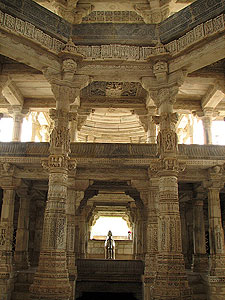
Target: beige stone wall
96	249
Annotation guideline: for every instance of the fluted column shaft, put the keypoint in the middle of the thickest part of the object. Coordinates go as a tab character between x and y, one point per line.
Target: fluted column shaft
22	234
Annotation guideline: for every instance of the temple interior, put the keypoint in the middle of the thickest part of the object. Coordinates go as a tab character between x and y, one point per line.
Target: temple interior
112	149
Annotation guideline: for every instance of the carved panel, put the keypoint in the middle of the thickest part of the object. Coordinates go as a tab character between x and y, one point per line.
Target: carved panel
113	89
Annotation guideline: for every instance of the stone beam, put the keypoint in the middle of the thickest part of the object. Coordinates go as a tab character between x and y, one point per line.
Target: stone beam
24	51
213	97
39	103
13	95
206	54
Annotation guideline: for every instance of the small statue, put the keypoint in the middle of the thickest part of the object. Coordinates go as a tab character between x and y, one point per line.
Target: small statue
109	246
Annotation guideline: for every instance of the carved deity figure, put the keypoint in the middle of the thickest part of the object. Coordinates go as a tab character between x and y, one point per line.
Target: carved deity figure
109	246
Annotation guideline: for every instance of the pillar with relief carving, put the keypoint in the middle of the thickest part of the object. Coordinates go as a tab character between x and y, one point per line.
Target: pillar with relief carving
216	235
51	280
9	184
17	126
200	257
151	236
22	235
207	126
39	218
70	243
171	280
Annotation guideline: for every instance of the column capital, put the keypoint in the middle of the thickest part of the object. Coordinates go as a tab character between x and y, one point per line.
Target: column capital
168	166
165	86
215	180
7	172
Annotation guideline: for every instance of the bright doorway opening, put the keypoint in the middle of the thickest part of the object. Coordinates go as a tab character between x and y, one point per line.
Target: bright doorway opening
118	226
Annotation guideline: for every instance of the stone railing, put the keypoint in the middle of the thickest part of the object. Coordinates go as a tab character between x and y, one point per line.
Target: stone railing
105	150
113	51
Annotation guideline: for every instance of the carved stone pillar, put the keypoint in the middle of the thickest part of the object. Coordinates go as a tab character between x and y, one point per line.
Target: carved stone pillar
73	131
35	125
6	238
82	236
22	234
40	210
139	231
200	258
51	281
70	246
45	133
151	133
151	237
216	236
171	280
17	126
207	126
184	234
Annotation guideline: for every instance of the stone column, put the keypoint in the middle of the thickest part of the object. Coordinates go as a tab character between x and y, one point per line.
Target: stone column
40	205
171	281
6	238
151	131
82	236
184	234
151	237
22	234
35	125
216	236
51	280
70	246
17	126
73	131
207	126
45	133
200	257
139	226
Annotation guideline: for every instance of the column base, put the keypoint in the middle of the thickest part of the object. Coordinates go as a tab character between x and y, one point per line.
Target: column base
200	263
216	288
147	286
51	281
6	285
217	265
171	280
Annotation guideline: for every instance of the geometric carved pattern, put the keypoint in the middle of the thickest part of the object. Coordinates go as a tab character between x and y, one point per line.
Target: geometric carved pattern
113	16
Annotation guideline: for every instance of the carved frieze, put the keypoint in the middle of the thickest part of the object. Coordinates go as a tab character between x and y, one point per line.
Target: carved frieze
113	89
113	17
123	52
